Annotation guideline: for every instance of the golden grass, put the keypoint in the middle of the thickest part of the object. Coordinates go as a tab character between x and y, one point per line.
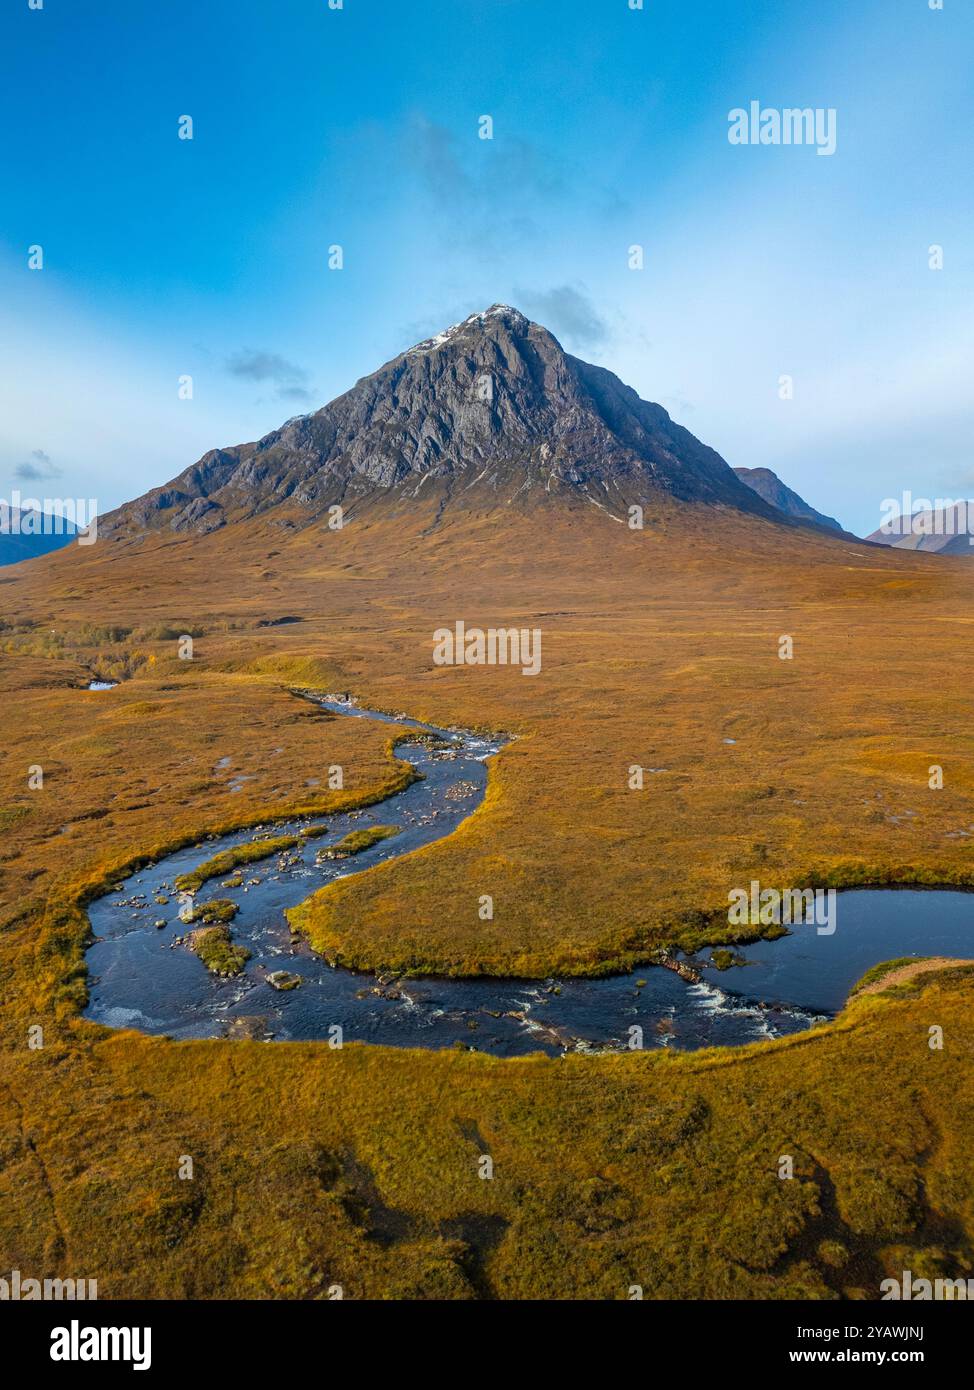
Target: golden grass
359	1166
216	950
358	840
229	859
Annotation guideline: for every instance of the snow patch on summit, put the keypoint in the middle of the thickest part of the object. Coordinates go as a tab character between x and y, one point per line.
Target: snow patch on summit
438	339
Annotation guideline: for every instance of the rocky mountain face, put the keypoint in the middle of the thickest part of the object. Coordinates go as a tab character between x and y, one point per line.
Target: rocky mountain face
492	406
780	496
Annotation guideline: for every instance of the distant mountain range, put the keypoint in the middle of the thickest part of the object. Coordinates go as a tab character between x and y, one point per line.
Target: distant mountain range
492	409
948	530
22	535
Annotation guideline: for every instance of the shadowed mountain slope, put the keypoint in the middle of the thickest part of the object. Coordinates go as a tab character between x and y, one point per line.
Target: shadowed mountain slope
780	496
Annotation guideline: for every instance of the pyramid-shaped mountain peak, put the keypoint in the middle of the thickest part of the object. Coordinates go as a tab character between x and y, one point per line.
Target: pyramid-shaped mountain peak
491	406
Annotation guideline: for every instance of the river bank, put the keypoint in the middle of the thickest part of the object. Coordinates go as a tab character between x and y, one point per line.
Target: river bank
144	975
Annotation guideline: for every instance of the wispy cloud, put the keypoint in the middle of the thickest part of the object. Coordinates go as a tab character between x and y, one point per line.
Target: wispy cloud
432	150
569	312
38	467
495	190
288	379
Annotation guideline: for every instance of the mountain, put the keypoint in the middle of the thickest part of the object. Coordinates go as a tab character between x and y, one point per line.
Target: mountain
491	407
947	530
779	495
22	535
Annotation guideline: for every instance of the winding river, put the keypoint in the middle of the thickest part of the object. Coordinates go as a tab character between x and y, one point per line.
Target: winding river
141	977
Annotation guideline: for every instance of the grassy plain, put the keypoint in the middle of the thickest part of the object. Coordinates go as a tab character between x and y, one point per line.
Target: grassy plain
359	1167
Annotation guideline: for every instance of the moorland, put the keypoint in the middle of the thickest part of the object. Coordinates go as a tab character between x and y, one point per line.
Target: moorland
360	1167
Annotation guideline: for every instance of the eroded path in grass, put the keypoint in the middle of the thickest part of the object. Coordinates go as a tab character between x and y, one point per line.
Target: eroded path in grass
143	974
904	973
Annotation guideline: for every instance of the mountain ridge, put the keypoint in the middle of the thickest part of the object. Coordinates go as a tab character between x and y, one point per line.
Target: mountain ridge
766	483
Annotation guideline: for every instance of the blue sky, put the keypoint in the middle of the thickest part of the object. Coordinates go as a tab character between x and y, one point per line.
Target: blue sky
312	127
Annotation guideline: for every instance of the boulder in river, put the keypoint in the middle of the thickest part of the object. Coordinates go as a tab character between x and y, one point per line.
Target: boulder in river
283	979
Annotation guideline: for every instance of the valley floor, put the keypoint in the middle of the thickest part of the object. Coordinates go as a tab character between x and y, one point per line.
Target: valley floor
361	1167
